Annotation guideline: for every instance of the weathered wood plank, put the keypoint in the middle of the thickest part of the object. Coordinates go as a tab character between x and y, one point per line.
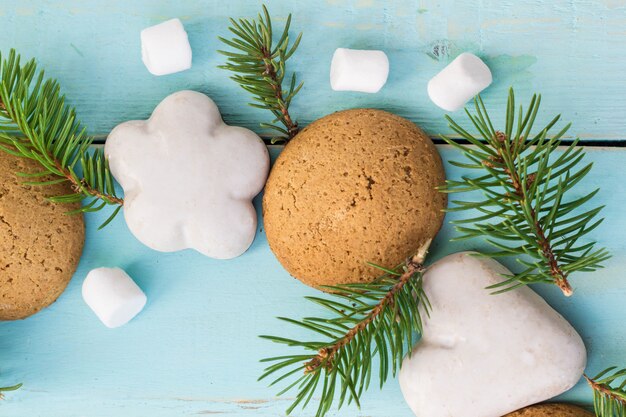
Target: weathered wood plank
571	51
194	349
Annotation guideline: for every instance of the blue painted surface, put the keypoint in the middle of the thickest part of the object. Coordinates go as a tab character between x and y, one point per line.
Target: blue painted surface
571	51
194	349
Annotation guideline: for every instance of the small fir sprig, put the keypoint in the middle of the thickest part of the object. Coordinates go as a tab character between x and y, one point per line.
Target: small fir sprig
525	211
259	65
379	319
6	389
609	392
36	123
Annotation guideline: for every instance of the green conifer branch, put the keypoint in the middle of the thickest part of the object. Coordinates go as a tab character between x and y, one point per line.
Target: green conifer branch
259	66
378	319
609	392
525	210
36	123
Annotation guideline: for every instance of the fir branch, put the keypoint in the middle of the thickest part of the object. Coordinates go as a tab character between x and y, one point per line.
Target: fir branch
525	211
378	319
36	123
260	67
6	389
609	392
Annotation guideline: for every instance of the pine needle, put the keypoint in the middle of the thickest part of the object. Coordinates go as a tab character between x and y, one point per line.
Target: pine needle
6	389
259	66
525	211
36	123
377	320
609	392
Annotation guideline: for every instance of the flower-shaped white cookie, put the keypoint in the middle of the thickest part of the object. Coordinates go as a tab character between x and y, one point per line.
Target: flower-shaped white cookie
189	178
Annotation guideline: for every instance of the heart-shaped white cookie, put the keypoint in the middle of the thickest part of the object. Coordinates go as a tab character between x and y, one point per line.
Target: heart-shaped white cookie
485	355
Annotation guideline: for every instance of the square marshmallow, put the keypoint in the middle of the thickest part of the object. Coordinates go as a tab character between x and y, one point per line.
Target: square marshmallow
113	296
358	70
165	48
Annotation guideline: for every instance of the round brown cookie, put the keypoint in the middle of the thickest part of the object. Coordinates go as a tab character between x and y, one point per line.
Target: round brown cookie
40	245
353	187
551	410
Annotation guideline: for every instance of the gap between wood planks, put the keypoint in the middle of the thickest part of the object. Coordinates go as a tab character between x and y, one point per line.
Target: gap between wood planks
592	143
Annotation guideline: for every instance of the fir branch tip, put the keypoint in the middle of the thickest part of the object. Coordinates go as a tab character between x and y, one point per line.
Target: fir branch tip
39	125
381	318
259	67
525	211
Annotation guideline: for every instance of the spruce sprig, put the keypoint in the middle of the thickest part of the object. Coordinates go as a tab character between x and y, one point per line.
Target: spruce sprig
36	123
259	65
378	319
609	392
525	210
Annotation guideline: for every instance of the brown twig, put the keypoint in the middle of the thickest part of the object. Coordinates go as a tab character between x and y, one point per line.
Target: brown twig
325	355
77	185
602	389
559	276
292	127
82	186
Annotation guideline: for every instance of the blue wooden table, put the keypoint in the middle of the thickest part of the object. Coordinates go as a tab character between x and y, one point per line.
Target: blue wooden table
194	349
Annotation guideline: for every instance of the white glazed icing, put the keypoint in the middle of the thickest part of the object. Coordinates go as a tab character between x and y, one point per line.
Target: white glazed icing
188	178
485	355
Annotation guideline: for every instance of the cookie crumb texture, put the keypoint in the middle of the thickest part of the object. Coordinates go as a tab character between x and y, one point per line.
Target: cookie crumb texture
40	245
353	187
551	410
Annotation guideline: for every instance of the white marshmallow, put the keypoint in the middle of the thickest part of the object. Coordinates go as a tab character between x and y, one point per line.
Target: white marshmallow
113	296
165	48
486	355
358	70
457	83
